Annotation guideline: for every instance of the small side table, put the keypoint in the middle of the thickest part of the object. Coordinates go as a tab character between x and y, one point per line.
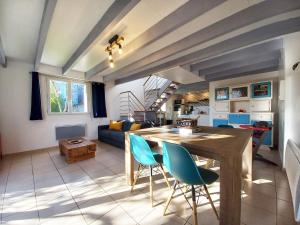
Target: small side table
77	152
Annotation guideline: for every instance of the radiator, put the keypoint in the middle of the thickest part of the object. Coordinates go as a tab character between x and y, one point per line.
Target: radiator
70	131
292	163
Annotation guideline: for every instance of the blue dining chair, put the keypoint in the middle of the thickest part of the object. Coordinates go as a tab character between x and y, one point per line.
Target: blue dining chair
225	126
146	158
183	168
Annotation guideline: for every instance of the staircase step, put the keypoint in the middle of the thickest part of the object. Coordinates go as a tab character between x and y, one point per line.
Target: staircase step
166	90
171	88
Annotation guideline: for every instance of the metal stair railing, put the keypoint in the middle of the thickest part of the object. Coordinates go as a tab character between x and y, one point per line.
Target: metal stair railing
153	89
129	104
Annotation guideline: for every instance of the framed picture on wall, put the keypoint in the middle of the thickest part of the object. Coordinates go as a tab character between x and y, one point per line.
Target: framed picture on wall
262	90
222	94
239	92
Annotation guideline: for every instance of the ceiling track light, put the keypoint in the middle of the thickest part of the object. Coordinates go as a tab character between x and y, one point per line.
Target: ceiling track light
114	42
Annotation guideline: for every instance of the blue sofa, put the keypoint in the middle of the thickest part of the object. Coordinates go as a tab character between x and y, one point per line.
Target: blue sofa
116	138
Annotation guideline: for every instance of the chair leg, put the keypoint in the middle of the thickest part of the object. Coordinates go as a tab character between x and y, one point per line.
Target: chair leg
165	176
194	206
136	177
151	186
170	197
184	195
211	202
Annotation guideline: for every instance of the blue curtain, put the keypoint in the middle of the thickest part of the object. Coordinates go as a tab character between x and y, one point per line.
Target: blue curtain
98	98
36	108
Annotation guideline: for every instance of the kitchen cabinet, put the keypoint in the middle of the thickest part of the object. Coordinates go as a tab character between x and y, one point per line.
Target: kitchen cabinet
239	118
217	122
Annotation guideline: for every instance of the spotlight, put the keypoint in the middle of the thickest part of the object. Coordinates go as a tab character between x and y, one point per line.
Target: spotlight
111	63
120	49
110	55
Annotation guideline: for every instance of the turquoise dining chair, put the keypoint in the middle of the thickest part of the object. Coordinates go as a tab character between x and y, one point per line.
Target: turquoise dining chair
146	158
225	126
183	168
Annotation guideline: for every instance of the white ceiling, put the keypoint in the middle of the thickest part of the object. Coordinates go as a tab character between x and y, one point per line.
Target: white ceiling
138	20
72	21
218	13
180	75
20	22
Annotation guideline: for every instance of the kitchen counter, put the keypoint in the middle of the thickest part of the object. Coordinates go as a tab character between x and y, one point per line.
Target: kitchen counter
188	116
202	119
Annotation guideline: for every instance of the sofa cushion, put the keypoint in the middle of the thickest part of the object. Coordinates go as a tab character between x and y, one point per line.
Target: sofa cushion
118	136
112	134
106	133
126	126
115	125
135	126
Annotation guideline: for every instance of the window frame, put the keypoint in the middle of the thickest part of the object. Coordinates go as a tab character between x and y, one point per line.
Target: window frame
69	97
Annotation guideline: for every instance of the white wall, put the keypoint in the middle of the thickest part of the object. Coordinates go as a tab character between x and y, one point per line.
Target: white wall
281	107
243	80
289	108
113	91
20	134
292	88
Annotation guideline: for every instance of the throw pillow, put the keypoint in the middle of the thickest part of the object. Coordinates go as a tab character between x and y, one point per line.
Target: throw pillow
135	126
126	125
115	125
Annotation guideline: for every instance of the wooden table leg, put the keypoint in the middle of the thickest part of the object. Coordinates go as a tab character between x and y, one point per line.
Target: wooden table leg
129	161
247	161
230	191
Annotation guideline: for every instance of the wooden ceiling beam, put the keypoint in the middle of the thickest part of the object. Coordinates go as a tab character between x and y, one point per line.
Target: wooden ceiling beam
187	12
243	40
250	15
44	28
116	12
245	53
262	67
251	60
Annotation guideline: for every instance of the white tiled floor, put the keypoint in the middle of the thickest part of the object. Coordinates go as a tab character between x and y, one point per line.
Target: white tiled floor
40	188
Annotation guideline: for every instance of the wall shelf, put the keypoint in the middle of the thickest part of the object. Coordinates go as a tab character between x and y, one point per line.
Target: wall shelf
240	106
254	102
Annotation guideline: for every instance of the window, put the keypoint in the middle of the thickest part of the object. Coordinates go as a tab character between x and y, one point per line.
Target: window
79	97
58	96
67	97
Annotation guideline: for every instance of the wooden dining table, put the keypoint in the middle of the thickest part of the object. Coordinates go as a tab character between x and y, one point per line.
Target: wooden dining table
231	147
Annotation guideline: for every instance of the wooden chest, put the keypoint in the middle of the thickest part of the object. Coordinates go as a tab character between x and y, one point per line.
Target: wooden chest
77	152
